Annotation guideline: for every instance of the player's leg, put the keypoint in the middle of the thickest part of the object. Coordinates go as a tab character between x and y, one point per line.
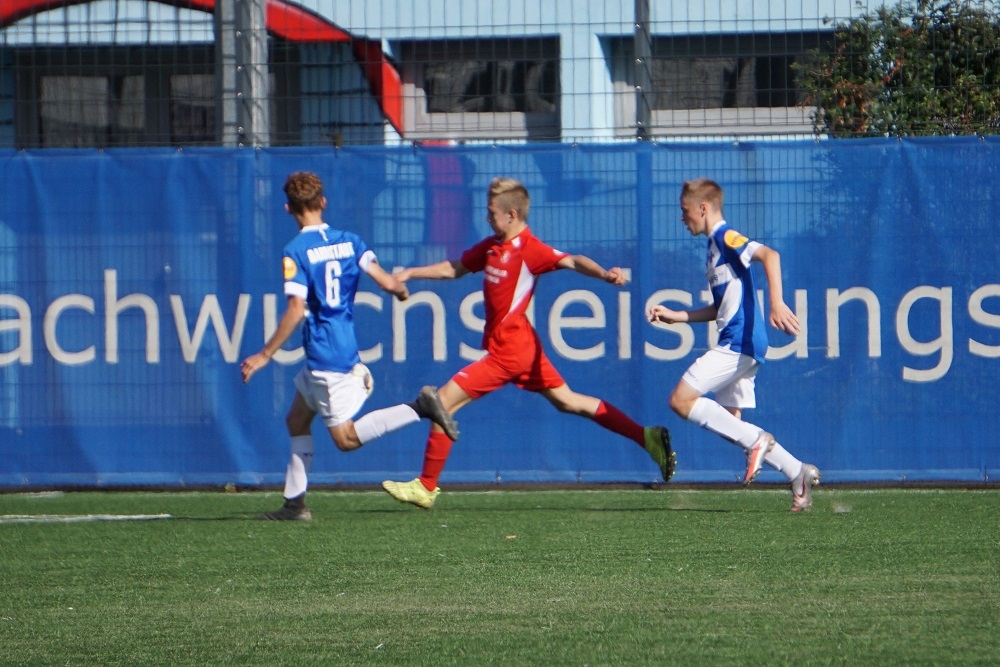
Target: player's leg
298	421
439	443
777	457
547	381
715	371
602	412
422	491
427	405
475	380
654	439
802	477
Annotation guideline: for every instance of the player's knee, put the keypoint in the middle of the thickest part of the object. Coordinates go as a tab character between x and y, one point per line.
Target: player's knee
346	439
562	406
296	425
679	405
346	446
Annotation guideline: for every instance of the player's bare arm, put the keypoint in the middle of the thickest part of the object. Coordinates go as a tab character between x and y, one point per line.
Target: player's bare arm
445	270
588	267
388	282
290	320
660	313
781	316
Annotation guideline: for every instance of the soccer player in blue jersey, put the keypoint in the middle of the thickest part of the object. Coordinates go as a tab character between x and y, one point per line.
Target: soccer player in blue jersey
729	369
322	267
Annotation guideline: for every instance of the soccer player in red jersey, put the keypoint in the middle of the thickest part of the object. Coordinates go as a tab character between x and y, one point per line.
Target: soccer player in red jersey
511	261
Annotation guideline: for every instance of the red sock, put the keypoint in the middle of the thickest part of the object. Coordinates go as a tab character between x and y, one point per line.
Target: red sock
435	455
615	420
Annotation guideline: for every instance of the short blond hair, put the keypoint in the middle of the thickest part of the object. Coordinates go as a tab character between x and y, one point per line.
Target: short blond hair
510	195
304	191
703	190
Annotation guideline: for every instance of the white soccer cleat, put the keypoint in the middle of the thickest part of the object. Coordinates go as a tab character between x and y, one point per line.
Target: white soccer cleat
756	454
802	487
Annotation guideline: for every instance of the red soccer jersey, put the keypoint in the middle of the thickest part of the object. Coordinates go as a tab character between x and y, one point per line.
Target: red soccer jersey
511	271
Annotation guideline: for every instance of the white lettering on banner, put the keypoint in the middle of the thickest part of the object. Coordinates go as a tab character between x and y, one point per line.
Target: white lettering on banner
113	306
16	326
467	315
439	342
52	313
800	344
22	325
282	356
558	322
374	353
834	300
210	311
942	343
682	329
980	316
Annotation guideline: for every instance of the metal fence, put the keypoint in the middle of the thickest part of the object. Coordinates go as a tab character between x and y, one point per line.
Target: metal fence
107	73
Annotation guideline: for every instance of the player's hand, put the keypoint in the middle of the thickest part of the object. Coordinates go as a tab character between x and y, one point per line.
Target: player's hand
403	294
660	313
402	275
616	276
252	364
783	319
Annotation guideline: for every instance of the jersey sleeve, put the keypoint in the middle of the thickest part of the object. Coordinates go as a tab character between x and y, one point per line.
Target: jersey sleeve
474	259
738	248
540	257
366	259
295	275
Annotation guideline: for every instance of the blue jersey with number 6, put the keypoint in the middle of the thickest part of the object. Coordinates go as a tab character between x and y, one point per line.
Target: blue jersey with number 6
322	266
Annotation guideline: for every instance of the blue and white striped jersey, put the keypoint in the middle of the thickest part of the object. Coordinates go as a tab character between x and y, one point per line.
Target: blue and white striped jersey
740	320
322	266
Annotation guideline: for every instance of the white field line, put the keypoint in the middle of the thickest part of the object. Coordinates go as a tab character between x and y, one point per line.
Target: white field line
77	518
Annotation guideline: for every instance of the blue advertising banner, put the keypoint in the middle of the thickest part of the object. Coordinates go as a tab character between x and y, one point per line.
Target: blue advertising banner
133	282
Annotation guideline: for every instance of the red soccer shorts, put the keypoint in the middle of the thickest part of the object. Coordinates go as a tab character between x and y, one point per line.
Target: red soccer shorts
526	366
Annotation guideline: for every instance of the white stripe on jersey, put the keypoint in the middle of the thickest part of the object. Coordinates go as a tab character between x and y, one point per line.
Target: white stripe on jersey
366	260
522	289
296	289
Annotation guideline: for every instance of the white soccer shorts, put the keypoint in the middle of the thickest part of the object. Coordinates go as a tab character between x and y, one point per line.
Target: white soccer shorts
730	375
336	397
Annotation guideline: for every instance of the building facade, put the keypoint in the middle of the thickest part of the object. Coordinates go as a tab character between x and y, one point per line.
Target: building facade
84	73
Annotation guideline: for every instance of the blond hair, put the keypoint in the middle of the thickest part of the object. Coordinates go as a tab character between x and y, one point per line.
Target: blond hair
510	195
703	190
304	191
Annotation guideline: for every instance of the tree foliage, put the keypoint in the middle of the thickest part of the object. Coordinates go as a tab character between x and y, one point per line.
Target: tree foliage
924	68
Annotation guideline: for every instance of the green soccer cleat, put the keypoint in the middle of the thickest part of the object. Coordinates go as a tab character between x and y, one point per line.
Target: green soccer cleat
413	492
658	447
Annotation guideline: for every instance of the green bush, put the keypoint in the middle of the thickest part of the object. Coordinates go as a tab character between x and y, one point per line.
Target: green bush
929	68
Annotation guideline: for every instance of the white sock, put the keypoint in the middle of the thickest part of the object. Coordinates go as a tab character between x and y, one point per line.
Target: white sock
377	423
781	460
297	473
709	415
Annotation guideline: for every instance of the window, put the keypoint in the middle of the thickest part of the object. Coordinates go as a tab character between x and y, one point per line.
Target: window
192	109
481	89
114	96
89	111
721	84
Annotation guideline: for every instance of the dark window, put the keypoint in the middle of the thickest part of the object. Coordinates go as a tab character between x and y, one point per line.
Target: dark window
114	96
488	75
726	71
80	97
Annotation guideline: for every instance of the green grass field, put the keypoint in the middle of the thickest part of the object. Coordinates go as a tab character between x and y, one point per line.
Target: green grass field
569	577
